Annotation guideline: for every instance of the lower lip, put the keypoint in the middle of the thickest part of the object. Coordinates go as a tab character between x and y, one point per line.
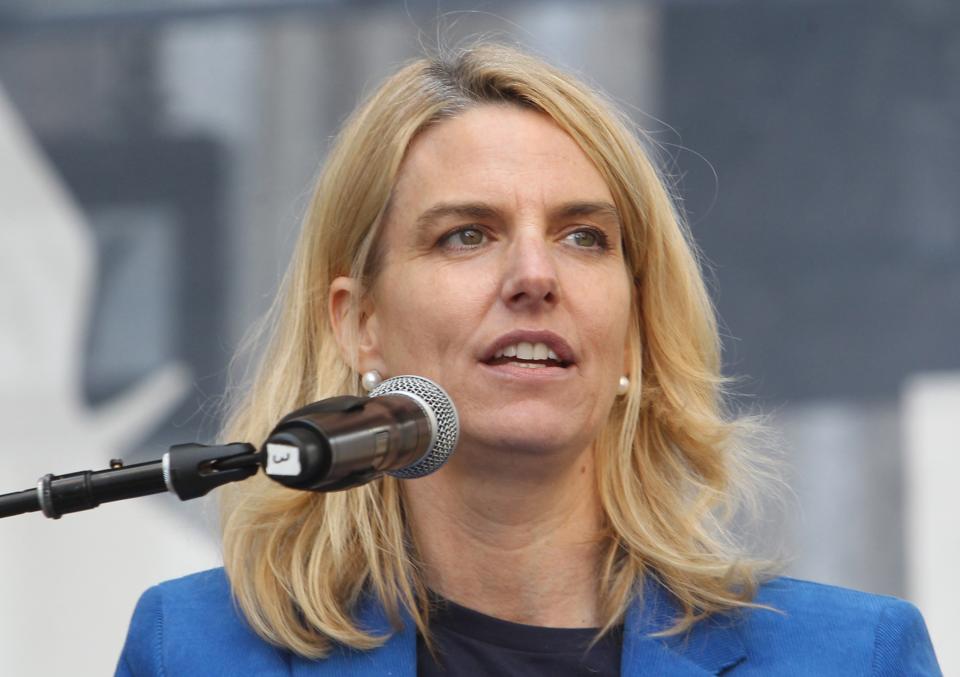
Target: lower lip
514	371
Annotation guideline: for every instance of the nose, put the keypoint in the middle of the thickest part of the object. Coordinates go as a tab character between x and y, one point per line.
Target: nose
530	278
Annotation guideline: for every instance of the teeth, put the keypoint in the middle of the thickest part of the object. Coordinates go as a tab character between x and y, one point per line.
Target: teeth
528	351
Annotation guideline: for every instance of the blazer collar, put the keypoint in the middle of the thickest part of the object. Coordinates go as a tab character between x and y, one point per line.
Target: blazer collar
397	657
711	646
708	648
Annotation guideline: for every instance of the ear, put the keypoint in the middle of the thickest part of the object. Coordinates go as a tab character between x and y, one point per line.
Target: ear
355	325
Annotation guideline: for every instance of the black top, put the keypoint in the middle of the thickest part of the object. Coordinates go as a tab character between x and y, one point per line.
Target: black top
471	644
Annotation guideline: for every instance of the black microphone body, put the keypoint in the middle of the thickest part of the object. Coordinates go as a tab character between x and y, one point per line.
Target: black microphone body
407	427
346	441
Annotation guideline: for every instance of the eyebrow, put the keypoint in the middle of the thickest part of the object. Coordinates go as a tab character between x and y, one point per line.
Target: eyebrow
600	209
463	210
481	210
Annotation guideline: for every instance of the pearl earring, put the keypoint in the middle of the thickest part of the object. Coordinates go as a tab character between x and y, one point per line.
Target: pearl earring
623	386
371	379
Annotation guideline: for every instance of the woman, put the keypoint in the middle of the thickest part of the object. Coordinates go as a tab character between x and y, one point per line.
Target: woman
490	223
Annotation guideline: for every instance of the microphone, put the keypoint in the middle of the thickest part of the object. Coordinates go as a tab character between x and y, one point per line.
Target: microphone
408	427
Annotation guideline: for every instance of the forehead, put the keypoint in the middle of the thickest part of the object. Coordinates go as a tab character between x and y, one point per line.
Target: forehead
502	154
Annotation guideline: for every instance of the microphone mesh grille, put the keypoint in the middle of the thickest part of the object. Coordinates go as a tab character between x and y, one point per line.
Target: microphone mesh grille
441	409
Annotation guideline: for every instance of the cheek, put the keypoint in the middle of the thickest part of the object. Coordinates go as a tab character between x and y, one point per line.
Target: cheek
427	318
604	307
609	339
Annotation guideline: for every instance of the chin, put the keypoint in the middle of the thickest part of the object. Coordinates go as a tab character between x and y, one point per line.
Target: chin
524	433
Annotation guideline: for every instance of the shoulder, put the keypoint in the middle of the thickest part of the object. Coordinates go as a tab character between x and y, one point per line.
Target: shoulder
813	626
808	605
192	626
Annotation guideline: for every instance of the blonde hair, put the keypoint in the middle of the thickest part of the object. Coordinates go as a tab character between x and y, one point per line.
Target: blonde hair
669	465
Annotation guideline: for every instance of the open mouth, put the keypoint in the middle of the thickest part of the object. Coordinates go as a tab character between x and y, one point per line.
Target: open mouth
529	364
528	355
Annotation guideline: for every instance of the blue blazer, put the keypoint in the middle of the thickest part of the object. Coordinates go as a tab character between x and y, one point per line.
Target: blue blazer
191	626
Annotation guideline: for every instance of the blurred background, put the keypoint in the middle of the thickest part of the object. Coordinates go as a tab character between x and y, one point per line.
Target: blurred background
156	158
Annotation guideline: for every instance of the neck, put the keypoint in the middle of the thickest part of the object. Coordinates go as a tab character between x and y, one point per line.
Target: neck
522	544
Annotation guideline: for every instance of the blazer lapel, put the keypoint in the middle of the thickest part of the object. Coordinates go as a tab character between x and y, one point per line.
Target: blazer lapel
396	658
711	646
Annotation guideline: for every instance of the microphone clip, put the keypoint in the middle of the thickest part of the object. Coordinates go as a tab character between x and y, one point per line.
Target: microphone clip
193	470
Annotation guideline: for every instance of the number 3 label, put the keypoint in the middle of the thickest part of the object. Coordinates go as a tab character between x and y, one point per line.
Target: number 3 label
283	459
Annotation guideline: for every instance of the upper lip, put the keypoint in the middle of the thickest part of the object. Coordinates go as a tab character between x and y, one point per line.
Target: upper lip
553	341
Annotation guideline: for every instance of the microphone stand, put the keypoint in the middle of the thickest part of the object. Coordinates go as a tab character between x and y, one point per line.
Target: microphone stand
187	470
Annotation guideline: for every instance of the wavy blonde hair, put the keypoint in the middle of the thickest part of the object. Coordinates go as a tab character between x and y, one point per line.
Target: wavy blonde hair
669	463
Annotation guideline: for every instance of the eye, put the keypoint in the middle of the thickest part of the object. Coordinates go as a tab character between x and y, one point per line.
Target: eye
588	238
463	238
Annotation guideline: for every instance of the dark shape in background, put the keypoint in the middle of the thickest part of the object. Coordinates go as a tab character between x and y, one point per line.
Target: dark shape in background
834	129
154	200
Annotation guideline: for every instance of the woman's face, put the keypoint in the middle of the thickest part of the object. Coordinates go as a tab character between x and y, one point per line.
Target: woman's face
503	280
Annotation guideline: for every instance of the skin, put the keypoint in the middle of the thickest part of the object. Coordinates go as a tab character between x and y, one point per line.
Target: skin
511	526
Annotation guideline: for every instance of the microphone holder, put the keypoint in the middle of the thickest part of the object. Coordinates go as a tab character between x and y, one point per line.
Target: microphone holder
187	470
